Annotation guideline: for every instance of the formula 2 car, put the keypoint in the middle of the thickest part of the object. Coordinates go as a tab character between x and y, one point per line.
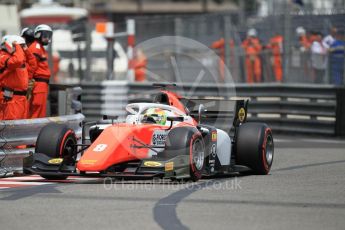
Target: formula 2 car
167	138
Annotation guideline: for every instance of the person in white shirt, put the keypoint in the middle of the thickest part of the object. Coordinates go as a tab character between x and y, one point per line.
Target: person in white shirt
329	39
318	59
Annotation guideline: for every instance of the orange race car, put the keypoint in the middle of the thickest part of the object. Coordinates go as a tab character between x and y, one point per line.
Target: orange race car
168	138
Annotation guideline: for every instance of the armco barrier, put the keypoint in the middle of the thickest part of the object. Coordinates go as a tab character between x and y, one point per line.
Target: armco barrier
24	132
307	109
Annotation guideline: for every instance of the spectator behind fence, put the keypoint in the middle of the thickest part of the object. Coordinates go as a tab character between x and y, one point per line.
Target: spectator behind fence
329	39
304	49
337	56
252	48
276	47
318	59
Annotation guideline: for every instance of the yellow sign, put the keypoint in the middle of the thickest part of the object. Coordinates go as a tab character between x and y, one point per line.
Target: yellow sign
169	166
214	136
55	161
88	162
152	164
241	114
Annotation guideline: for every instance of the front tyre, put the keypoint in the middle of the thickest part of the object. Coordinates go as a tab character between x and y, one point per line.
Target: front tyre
57	141
255	147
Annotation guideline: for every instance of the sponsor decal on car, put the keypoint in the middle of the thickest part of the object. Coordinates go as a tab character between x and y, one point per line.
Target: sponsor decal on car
214	150
88	162
100	148
214	135
55	161
152	164
169	166
159	138
241	114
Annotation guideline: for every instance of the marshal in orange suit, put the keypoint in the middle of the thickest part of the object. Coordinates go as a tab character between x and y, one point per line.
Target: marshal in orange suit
252	48
41	74
276	47
13	78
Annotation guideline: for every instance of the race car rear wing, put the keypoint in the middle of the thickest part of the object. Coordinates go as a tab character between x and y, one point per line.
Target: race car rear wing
225	111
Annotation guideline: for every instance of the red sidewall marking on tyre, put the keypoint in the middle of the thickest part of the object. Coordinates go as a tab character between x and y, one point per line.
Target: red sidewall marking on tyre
264	144
198	174
63	140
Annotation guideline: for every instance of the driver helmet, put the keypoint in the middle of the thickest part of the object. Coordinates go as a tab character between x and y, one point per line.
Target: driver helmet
43	33
159	115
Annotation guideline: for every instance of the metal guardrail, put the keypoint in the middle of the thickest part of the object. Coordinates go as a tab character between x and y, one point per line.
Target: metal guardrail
307	109
16	133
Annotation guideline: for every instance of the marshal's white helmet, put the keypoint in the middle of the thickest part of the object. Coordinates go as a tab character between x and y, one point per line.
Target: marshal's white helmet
7	42
252	32
43	33
300	31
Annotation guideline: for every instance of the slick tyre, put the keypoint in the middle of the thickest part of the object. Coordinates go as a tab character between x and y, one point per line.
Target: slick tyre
187	141
57	141
196	157
255	147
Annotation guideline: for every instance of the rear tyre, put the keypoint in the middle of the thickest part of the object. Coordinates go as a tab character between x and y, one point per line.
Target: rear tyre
57	141
187	141
255	147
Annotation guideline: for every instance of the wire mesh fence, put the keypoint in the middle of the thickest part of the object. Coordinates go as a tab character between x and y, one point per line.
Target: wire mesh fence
288	48
285	59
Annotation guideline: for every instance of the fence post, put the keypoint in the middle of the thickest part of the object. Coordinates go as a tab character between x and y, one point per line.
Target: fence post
287	46
340	112
130	49
227	37
87	73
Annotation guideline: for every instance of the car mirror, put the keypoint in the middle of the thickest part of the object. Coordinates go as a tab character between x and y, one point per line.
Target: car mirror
201	111
175	119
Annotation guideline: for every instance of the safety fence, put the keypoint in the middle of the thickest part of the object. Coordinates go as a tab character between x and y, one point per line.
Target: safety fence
281	56
298	109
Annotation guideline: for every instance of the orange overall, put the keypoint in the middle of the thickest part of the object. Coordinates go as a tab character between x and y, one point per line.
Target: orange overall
31	66
252	48
220	45
276	45
305	43
140	66
41	76
14	82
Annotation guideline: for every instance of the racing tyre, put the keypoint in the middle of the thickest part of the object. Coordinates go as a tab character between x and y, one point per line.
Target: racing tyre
196	156
255	147
187	141
57	141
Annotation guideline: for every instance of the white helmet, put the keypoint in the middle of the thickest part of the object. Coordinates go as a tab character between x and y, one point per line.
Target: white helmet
7	42
300	31
20	40
252	32
43	33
